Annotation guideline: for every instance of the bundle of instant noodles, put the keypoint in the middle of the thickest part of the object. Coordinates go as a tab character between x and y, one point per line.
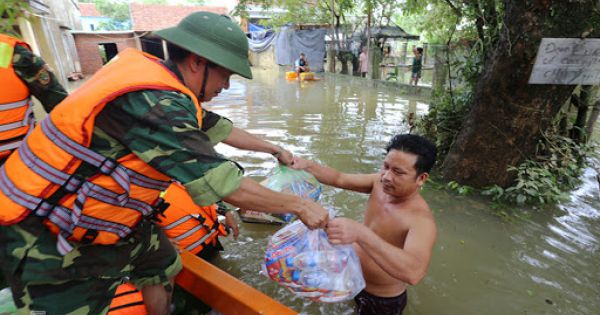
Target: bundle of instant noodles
307	264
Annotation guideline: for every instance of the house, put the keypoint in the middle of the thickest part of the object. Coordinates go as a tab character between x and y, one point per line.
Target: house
91	19
146	18
96	48
47	30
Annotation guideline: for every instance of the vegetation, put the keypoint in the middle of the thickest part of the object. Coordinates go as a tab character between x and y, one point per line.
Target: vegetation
10	12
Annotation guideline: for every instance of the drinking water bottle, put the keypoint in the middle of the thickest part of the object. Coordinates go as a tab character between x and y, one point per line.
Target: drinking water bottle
333	261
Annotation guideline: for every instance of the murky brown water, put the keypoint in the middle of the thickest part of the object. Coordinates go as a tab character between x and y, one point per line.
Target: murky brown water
548	264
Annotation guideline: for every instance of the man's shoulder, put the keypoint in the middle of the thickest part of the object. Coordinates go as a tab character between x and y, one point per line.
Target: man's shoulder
155	96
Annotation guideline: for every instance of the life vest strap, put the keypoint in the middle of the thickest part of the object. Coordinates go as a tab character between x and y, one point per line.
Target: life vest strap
107	166
13	143
28	120
13	105
74	183
189	232
64	218
201	241
178	222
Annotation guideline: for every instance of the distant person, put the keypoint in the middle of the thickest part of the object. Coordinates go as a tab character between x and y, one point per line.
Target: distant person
417	65
301	65
396	239
22	74
363	62
387	51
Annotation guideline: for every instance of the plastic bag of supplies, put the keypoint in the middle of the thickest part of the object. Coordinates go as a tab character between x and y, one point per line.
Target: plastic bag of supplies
290	181
305	262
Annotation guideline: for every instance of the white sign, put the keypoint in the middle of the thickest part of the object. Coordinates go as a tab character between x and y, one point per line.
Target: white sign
568	61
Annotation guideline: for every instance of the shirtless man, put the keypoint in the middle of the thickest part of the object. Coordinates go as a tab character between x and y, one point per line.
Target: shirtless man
395	242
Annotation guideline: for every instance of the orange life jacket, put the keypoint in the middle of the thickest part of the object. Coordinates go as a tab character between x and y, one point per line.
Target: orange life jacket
16	115
192	226
40	177
128	300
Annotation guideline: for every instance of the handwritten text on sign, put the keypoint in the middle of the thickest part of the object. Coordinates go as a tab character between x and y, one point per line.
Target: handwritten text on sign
569	61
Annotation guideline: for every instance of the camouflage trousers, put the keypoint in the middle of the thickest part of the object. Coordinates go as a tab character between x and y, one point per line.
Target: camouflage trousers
83	281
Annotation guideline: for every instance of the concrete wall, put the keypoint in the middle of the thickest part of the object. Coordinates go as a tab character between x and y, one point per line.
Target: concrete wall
89	51
265	59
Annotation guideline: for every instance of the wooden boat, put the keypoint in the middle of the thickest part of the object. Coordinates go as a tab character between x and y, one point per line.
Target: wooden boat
224	292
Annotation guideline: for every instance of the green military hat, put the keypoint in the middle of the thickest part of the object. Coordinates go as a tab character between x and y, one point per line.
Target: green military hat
214	37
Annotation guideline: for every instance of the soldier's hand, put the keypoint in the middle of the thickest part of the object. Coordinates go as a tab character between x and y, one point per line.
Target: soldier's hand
231	222
313	215
284	156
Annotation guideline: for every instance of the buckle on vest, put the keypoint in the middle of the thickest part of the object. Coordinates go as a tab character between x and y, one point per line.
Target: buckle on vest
89	236
74	182
108	166
43	208
159	208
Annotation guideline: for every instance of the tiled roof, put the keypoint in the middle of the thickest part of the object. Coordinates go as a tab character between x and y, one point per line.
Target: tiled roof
151	17
88	9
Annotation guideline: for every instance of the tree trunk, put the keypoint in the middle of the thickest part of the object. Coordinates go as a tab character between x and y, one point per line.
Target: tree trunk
578	130
507	114
589	128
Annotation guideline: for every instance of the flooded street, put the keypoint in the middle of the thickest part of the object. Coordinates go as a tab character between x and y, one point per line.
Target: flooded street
548	263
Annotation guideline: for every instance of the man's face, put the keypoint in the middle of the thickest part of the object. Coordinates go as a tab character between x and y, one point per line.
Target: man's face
218	80
302	57
398	174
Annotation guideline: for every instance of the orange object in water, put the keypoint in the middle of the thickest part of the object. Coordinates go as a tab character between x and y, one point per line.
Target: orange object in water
223	292
291	75
307	76
128	300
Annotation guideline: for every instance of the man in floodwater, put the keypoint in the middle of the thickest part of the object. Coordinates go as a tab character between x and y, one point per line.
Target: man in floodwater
301	65
395	242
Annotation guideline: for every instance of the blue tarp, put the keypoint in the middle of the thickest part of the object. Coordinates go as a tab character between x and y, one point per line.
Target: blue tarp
255	28
261	40
289	43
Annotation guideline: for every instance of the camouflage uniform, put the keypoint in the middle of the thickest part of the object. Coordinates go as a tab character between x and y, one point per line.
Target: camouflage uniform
34	72
161	128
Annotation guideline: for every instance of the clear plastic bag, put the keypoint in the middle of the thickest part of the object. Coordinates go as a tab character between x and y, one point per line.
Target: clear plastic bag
285	180
305	262
7	305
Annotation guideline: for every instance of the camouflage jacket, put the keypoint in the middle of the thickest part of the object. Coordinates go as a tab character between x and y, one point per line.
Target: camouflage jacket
34	72
161	128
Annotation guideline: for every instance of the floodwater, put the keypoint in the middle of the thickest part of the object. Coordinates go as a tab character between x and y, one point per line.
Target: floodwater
548	263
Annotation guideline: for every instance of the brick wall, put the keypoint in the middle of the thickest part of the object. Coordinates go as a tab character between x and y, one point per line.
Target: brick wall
89	51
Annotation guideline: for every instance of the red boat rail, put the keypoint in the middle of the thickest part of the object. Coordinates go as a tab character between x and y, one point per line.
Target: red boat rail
224	292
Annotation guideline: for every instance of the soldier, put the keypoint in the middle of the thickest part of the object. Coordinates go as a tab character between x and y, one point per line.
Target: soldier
78	196
22	74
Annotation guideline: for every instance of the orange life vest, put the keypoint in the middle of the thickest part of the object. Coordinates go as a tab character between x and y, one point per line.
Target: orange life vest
128	300
16	115
192	226
40	177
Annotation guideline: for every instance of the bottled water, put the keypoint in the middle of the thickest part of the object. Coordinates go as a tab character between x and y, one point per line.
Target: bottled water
322	280
333	261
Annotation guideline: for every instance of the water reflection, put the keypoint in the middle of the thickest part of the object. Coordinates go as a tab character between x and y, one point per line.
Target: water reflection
547	264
